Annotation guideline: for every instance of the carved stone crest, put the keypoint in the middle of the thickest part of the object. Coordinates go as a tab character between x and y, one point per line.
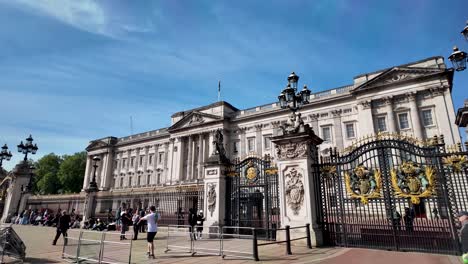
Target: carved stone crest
211	172
291	150
211	197
294	190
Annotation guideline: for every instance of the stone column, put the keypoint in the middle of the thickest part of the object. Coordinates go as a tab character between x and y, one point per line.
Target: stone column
194	151
338	129
243	149
200	156
188	175
314	122
165	157
366	120
145	163
155	165
215	191
296	155
87	174
107	170
388	104
259	139
416	121
182	161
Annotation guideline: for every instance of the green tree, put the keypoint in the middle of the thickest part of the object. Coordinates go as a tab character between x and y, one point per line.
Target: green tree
72	171
46	179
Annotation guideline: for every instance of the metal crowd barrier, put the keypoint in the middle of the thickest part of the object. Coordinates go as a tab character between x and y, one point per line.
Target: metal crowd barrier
70	249
230	245
11	244
208	241
179	239
97	247
225	241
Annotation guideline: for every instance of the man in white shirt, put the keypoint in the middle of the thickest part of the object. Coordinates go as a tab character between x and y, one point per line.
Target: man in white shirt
152	221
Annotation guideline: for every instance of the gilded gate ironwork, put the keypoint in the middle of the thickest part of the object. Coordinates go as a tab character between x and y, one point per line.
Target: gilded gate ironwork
252	195
393	192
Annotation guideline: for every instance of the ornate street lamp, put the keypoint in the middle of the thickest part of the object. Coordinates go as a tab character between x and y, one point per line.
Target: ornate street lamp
458	59
288	97
465	31
5	154
27	148
93	185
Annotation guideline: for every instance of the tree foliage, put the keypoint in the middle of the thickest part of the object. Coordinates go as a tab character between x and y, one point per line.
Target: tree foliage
59	174
71	172
46	180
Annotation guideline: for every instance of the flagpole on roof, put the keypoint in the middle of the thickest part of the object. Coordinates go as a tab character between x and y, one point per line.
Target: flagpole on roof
219	91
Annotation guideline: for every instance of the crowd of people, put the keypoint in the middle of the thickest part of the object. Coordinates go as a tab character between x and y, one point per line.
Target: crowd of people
44	217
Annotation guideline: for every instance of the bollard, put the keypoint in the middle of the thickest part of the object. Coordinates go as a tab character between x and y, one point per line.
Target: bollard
288	241
309	241
255	244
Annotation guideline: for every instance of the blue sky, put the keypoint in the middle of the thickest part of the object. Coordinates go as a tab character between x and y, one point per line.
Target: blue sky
73	71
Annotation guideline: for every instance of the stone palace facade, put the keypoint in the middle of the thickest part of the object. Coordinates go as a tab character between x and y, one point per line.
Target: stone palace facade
413	99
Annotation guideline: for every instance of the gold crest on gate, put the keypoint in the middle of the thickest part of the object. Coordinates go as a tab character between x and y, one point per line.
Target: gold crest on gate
251	172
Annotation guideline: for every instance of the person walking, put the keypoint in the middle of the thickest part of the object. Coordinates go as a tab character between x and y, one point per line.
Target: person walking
152	221
125	217
408	219
136	224
192	219
63	224
200	220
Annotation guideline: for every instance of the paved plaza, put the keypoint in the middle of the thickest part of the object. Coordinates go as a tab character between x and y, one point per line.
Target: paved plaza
40	250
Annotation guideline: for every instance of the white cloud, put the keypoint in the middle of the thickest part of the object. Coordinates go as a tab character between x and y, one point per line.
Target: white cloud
87	15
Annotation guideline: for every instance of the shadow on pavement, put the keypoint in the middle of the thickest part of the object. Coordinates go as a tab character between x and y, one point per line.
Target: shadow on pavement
40	260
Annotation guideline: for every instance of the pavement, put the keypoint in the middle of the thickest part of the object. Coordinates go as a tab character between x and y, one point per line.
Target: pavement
39	249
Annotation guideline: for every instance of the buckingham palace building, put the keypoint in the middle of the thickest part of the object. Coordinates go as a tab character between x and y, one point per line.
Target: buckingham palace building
413	99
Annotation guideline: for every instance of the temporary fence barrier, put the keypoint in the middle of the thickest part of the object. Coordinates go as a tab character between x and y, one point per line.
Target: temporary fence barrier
225	241
179	239
230	245
70	249
208	241
114	250
98	247
11	244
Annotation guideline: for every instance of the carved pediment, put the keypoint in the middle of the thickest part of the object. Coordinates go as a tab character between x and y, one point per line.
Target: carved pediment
194	119
397	75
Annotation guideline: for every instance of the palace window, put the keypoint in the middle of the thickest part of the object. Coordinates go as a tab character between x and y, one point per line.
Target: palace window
132	161
150	159
123	163
148	179
326	133
139	180
427	117
160	158
350	130
141	160
403	120
267	142
158	180
381	124
251	144
121	182
235	146
129	181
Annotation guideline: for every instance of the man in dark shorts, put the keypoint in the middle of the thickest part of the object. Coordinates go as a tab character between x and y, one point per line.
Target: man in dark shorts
152	221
